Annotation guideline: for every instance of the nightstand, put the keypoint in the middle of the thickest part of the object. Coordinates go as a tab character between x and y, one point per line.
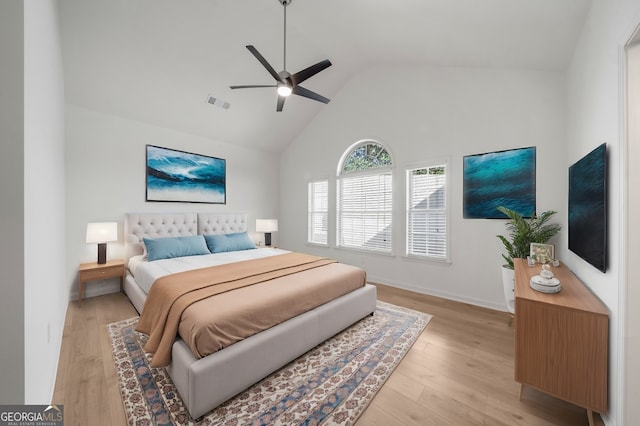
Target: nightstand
93	271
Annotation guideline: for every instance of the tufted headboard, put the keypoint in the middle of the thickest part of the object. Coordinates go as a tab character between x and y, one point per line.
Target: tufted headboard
158	225
221	223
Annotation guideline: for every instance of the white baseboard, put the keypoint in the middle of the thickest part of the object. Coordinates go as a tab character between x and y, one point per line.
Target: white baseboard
438	293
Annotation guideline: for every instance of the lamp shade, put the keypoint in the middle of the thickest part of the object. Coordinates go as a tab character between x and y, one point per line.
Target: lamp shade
266	225
102	232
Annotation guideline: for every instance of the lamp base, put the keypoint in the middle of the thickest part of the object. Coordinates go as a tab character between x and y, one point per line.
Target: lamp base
267	238
102	253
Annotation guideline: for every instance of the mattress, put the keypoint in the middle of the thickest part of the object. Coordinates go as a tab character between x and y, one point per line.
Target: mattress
145	273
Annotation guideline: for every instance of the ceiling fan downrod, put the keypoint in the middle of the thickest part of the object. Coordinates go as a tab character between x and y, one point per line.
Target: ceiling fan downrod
285	3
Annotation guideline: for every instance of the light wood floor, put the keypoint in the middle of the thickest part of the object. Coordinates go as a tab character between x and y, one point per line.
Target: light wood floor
459	372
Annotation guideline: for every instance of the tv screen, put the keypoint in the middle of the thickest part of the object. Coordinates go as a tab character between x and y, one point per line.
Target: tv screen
588	208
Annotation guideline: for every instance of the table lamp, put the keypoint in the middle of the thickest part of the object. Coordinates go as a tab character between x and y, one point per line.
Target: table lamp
102	233
267	226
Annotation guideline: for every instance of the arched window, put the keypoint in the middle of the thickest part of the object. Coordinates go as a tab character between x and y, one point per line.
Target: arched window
365	155
364	198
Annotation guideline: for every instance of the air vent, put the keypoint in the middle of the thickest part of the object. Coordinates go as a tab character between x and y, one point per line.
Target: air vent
218	102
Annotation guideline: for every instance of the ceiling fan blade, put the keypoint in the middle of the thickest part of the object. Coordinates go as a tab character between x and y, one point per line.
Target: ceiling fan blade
251	86
264	63
281	100
301	91
301	76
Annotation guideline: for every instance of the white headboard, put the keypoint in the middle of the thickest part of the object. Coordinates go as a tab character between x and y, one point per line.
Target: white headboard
221	223
157	225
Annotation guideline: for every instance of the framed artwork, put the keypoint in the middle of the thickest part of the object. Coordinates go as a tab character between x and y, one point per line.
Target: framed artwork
179	176
542	253
500	178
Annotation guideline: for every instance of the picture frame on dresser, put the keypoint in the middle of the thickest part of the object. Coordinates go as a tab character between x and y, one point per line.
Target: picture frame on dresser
542	253
172	175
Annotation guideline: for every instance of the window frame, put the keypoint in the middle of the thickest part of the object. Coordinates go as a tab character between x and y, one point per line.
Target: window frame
311	212
446	210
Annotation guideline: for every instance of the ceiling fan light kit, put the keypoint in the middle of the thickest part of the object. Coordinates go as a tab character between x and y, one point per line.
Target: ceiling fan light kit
284	90
287	83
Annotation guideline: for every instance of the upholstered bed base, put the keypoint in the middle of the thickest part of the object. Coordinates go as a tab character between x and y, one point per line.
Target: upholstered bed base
134	292
205	383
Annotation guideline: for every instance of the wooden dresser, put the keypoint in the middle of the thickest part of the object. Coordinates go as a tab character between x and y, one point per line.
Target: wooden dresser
561	340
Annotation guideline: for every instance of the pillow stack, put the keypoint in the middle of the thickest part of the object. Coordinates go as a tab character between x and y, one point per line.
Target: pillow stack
196	245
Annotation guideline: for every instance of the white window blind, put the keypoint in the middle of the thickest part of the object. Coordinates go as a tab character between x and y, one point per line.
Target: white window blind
427	212
364	204
318	211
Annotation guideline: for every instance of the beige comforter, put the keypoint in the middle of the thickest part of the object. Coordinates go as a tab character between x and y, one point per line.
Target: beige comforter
250	296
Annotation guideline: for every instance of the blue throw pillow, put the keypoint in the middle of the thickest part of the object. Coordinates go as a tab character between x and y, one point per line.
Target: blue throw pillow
229	242
167	248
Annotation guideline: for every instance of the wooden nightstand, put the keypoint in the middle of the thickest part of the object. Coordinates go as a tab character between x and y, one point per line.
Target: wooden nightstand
93	271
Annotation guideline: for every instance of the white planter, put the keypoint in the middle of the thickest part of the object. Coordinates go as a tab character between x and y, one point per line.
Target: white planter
508	283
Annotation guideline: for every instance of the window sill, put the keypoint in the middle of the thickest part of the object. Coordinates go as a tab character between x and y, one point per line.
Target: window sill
426	259
377	253
317	244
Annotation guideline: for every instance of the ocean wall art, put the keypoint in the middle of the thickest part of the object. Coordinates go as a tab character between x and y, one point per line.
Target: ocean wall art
178	176
500	178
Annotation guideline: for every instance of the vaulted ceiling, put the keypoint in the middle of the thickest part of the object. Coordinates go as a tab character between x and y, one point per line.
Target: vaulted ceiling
157	61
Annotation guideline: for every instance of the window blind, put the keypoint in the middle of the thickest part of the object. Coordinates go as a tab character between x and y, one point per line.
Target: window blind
364	207
318	212
426	212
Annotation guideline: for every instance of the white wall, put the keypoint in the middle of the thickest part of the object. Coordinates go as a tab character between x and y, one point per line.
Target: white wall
105	177
424	113
12	205
45	288
33	302
595	115
631	346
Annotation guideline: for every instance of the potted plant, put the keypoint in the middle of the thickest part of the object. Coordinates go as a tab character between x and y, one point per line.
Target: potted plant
522	232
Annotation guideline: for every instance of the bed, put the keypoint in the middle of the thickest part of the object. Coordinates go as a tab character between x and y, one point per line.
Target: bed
206	382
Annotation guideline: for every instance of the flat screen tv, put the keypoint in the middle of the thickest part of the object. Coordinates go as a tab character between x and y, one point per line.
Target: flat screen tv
588	208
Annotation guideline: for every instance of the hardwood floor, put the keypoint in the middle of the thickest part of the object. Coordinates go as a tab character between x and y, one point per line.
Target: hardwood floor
86	383
459	372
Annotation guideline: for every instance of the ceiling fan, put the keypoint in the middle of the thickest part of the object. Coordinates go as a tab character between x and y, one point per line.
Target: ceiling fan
286	82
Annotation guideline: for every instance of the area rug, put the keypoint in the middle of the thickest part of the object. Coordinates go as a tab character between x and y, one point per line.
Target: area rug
331	384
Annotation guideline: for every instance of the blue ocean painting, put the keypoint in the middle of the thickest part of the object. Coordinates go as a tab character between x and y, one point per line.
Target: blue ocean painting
180	176
502	178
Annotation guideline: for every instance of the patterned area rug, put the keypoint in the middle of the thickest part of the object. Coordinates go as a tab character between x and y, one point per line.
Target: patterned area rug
331	384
